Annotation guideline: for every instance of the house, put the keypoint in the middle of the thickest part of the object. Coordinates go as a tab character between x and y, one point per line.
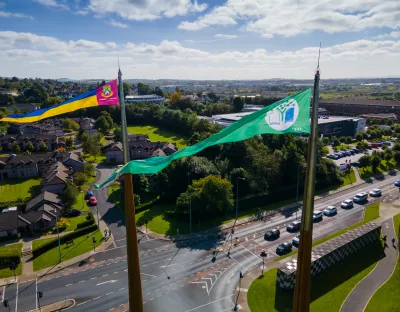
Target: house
115	154
23	107
73	161
49	126
193	97
52	141
11	222
56	178
88	125
45	198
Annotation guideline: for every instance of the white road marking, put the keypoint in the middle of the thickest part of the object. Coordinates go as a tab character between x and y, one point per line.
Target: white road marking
97	298
109	293
208	303
36	300
167	266
148	274
83	303
81	282
107	282
3	293
16	299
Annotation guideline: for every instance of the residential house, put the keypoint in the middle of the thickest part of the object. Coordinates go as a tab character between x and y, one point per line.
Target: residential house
11	222
73	161
49	126
88	125
115	154
193	97
56	178
51	140
23	107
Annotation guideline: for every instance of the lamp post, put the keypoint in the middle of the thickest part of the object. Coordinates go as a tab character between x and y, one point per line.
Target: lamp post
58	234
237	194
190	209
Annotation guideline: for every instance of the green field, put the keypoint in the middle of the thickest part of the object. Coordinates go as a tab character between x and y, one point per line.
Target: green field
328	291
14	249
51	257
385	166
158	134
98	160
18	189
80	200
386	299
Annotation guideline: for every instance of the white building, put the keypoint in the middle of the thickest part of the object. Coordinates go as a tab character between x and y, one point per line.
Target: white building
152	98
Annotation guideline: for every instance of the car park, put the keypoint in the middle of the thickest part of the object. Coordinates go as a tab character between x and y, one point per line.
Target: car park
317	215
397	183
375	192
296	240
346	153
366	153
348	203
342	166
360	197
356	150
293	226
93	201
284	248
73	213
272	234
330	211
351	152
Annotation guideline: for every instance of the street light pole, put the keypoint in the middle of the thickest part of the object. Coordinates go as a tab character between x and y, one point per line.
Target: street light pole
58	234
237	195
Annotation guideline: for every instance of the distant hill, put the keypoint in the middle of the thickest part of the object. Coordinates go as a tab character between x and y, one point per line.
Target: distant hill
65	80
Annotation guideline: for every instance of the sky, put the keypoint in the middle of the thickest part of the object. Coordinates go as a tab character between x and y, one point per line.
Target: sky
199	39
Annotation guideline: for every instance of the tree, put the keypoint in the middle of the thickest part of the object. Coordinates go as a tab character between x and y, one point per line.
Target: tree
127	88
15	148
325	140
84	137
69	124
397	157
375	162
29	147
89	170
69	142
108	117
349	139
237	104
70	195
175	97
365	160
92	145
102	125
143	89
388	156
51	101
336	141
210	196
342	139
80	179
117	134
140	184
396	147
43	147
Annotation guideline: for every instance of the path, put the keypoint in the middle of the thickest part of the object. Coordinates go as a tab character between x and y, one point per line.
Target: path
364	290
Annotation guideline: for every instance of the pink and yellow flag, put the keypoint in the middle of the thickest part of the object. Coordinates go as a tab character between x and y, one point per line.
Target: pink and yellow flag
104	95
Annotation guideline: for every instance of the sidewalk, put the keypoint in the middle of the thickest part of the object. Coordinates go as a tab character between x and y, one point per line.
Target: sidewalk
359	297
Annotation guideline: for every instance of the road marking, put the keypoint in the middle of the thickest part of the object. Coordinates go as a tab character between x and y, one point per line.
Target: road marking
209	303
148	274
83	303
97	298
36	300
68	285
104	275
3	293
121	288
166	266
107	282
81	282
16	299
109	293
93	278
144	281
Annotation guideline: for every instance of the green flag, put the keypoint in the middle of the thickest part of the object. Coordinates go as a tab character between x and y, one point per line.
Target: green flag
290	115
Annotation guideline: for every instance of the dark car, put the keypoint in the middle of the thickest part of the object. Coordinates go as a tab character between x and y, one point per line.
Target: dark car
73	213
293	227
284	248
397	183
272	234
356	164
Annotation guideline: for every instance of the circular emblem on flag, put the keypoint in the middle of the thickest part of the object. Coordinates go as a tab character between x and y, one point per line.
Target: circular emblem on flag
283	116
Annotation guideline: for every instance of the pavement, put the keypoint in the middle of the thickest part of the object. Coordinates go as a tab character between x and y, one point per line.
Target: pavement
359	297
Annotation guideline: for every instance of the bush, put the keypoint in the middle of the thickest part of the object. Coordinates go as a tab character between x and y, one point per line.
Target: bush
90	216
84	224
78	233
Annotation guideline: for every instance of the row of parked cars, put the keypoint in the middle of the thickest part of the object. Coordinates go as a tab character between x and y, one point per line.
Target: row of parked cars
317	216
344	153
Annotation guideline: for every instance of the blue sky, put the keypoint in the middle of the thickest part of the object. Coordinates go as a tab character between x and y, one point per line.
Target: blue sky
188	39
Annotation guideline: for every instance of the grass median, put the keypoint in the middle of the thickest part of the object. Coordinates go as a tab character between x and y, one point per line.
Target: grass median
11	251
51	257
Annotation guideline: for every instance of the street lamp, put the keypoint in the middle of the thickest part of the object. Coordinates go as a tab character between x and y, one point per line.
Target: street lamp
190	208
58	234
237	194
237	298
263	254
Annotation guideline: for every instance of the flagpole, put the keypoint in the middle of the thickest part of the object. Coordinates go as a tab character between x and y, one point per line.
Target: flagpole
132	247
302	292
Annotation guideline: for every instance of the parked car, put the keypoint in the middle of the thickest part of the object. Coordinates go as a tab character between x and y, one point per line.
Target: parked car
330	211
388	143
346	153
351	151
375	192
397	183
369	146
89	194
272	234
284	248
356	150
342	166
366	153
93	201
340	154
73	213
317	215
296	240
293	227
360	197
356	164
348	203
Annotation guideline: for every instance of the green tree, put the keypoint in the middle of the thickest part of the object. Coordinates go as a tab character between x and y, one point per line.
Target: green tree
342	139
325	140
51	101
43	147
359	136
375	162
127	88
92	145
117	134
69	142
29	147
70	195
89	170
388	156
108	117
69	125
15	148
140	184
84	137
349	139
365	160
396	156
396	147
102	125
237	104
80	179
336	141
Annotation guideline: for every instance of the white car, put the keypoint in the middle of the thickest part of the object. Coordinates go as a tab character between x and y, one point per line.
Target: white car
296	240
360	197
330	211
375	192
317	215
348	203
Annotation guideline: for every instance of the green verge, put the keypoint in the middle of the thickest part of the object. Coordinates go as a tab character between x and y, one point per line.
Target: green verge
159	134
51	257
101	158
10	250
328	290
385	166
15	189
387	298
371	213
80	200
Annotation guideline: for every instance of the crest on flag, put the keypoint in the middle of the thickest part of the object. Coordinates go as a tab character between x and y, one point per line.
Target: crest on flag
106	91
283	116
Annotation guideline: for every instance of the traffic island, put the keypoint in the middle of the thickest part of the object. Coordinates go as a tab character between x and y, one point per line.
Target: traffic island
58	306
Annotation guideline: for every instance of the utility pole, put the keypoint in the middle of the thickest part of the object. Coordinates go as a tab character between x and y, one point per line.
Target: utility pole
39	295
237	195
134	278
237	298
302	291
13	267
59	242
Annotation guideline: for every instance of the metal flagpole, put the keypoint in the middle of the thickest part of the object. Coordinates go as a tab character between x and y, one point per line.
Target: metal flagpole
302	291
134	279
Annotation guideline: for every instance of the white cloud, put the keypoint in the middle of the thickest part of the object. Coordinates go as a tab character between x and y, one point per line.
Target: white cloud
146	9
40	62
111	44
16	15
114	23
224	36
83	12
291	17
52	3
393	34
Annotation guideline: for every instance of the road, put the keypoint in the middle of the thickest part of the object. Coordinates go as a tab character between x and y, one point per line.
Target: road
181	276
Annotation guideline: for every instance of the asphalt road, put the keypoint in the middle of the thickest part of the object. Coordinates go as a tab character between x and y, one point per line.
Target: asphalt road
182	276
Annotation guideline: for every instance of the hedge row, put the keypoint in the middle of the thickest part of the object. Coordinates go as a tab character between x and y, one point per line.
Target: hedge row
54	243
5	260
89	221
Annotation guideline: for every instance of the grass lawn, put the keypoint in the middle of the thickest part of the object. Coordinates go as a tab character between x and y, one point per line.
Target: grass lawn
158	134
371	213
51	257
98	160
80	200
349	178
15	189
73	221
344	147
14	249
386	299
328	291
385	166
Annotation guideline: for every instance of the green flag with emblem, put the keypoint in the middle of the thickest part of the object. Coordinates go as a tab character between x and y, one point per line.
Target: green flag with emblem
290	115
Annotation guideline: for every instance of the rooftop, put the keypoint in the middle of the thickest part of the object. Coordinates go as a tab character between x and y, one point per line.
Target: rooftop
360	102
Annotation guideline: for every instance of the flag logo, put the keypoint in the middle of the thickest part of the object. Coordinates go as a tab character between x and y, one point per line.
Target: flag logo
283	116
106	91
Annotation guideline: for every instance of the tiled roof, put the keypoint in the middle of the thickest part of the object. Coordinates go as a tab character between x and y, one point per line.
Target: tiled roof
44	196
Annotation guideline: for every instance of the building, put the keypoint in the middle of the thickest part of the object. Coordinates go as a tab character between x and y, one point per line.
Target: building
152	98
193	97
87	125
357	107
380	116
23	107
47	127
55	178
52	141
11	223
140	147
